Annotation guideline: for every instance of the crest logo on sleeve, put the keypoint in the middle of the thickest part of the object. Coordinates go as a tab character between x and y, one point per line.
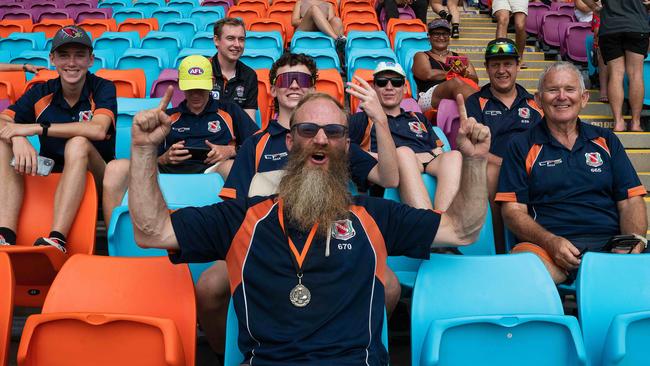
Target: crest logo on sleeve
417	128
593	159
214	126
240	91
524	112
215	94
343	230
85	116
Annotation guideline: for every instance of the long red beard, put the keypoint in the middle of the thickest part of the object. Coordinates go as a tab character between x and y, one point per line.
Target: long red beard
313	194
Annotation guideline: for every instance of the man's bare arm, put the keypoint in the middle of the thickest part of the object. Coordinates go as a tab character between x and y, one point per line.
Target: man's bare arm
633	218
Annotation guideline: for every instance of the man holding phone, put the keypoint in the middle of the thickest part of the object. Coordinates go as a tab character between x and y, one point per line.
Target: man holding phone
204	136
74	117
567	186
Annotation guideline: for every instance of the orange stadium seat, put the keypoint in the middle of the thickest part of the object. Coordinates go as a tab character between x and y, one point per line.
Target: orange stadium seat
264	98
128	83
357	6
247	14
51	26
258	4
284	16
142	26
283	3
12	84
36	267
356	13
365	25
96	27
403	25
329	81
345	3
114	311
41	77
9	26
7	284
268	24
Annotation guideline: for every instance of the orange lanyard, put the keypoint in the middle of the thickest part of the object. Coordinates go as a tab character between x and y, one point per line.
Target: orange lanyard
296	257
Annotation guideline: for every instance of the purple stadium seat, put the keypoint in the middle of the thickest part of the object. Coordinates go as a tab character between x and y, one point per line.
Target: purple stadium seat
556	5
77	6
448	120
410	105
165	78
534	18
9	6
574	41
4	103
405	12
550	29
52	14
18	14
103	13
225	3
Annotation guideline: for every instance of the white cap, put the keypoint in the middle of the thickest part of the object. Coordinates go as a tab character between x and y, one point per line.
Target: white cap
389	66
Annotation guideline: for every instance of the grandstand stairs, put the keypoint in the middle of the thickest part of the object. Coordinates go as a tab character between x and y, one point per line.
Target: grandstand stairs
478	29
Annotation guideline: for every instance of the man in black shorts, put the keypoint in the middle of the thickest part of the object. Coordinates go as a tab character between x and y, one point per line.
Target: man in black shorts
623	41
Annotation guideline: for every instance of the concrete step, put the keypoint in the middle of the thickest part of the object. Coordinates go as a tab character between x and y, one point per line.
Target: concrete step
474	41
640	158
645	179
604	121
635	140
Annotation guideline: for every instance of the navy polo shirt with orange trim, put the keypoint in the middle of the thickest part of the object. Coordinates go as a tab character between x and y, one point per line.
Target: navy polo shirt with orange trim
407	129
342	324
571	193
221	123
241	89
503	122
44	102
267	151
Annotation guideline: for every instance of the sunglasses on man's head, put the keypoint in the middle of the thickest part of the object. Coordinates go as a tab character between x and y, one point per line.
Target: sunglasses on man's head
310	129
396	81
285	79
501	47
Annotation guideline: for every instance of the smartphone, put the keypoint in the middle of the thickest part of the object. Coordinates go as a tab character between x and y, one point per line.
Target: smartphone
624	243
456	61
45	165
198	153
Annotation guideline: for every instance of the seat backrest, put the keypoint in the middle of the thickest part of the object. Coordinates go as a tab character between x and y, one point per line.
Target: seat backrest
207	52
361	25
51	26
117	41
41	77
185	5
247	13
187	27
12	84
173	42
7	284
133	286
609	285
54	14
576	35
268	24
37	211
367	40
202	40
151	61
450	286
167	13
264	98
129	83
395	25
166	78
302	39
207	14
534	11
329	81
266	39
97	27
142	26
122	14
551	27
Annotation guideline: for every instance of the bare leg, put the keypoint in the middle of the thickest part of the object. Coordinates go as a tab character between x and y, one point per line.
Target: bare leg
503	17
224	168
497	220
411	188
520	33
337	26
314	19
11	193
436	6
452	5
557	273
449	89
392	291
116	180
212	296
634	70
446	168
603	76
616	72
80	156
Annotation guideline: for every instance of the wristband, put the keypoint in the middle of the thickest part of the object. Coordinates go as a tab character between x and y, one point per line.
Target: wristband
45	126
24	67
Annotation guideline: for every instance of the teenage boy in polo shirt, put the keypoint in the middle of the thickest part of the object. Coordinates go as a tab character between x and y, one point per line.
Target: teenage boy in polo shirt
567	186
233	81
74	116
198	122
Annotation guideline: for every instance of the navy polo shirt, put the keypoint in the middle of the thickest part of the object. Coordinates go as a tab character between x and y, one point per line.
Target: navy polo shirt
44	102
267	151
221	123
342	324
571	193
503	122
407	129
241	89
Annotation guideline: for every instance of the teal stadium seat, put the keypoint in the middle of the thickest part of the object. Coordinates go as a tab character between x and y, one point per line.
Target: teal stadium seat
123	14
167	13
205	15
406	41
259	58
311	40
128	107
269	39
5	56
114	4
118	42
38	58
368	59
203	39
18	42
614	308
326	58
187	27
152	61
407	64
366	40
148	6
104	59
646	81
186	5
490	310
170	41
207	52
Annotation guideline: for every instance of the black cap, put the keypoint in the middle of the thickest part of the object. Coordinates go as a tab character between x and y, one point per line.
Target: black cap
501	47
71	34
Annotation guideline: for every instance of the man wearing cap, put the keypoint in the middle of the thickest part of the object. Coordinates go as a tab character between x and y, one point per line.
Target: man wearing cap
419	150
507	108
233	81
566	186
74	117
212	129
502	10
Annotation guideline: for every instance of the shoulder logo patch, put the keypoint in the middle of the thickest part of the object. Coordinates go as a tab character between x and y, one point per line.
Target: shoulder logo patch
85	116
524	112
214	126
343	230
593	159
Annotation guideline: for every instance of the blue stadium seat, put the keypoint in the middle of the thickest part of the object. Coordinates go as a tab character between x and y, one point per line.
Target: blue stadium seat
123	14
123	142
186	5
152	61
117	41
128	107
170	41
368	59
268	39
646	79
104	59
311	40
614	308
167	13
366	40
207	52
5	56
114	4
148	6
326	58
407	64
490	310
36	143
205	15
260	58
18	42
38	58
203	39
406	41
187	27
592	68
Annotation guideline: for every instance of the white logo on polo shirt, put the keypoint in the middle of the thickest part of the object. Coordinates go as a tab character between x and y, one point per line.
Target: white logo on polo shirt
343	229
214	126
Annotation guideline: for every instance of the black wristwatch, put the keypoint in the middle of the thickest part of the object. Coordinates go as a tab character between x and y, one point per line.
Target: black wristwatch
45	126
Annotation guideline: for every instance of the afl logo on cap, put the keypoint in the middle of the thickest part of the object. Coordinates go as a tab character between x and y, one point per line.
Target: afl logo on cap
195	71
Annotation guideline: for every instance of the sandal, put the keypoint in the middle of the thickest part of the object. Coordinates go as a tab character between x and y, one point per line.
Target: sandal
455	30
603	100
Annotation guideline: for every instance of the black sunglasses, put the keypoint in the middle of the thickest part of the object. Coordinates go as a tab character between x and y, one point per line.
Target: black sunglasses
310	129
396	81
